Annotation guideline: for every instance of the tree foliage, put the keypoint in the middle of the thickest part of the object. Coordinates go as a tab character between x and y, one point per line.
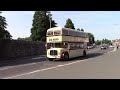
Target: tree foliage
4	34
78	29
106	41
91	38
98	42
26	39
41	22
103	41
69	24
82	30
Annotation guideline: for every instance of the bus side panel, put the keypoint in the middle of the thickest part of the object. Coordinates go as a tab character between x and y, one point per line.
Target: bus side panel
75	53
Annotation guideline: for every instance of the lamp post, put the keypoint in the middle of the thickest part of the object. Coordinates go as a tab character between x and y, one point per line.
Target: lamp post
117	41
50	19
101	42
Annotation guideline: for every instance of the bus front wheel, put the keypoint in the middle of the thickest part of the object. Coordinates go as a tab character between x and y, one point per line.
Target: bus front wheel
66	57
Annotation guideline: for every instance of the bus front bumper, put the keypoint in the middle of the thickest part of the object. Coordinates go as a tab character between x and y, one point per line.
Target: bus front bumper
54	56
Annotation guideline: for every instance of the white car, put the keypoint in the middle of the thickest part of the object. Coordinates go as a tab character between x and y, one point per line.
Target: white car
103	47
111	46
89	47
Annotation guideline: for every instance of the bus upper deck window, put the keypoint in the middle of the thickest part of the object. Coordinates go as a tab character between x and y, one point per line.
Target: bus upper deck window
49	33
56	32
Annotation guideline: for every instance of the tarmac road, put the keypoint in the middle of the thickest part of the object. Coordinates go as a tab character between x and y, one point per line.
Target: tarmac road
97	64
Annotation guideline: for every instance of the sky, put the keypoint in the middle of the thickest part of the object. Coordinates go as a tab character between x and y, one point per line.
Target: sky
102	24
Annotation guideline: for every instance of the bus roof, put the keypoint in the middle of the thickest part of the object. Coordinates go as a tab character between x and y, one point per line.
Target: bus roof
61	28
55	28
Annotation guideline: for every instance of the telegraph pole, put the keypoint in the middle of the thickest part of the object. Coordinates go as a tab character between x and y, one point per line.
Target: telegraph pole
50	19
101	42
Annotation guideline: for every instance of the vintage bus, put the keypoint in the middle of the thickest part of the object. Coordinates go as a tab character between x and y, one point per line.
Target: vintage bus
65	43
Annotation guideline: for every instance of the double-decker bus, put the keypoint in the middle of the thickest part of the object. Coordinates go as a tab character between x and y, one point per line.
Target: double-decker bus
65	43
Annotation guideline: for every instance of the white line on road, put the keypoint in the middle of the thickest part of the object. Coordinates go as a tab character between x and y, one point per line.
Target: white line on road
42	70
44	56
38	57
17	66
9	67
46	68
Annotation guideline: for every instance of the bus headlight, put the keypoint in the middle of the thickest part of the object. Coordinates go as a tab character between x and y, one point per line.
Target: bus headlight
59	55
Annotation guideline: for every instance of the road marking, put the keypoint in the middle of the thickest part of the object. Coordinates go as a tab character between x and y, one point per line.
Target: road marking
42	70
47	68
17	66
38	57
9	67
50	67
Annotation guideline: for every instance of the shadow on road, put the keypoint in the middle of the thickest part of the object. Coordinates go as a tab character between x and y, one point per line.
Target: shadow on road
20	61
91	55
29	60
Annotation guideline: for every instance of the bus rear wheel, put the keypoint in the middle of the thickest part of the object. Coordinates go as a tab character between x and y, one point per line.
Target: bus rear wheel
84	53
50	59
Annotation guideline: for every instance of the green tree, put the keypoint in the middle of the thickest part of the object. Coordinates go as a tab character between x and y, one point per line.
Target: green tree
26	39
98	42
91	38
69	24
106	41
4	34
103	41
78	29
41	22
82	30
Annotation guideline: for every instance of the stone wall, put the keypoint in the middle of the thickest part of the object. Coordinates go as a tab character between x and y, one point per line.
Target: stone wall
20	48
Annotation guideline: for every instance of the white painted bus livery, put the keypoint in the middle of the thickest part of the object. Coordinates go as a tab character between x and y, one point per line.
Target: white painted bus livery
65	43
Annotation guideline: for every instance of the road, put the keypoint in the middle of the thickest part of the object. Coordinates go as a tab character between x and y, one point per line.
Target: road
97	64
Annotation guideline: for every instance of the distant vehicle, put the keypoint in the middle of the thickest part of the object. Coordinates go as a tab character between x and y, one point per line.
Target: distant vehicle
104	47
65	43
89	47
111	46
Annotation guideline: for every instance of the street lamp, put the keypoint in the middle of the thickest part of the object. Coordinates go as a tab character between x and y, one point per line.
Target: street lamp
117	41
50	19
101	42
